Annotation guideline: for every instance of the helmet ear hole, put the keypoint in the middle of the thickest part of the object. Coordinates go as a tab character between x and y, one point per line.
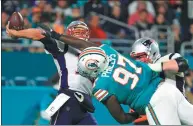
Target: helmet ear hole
154	53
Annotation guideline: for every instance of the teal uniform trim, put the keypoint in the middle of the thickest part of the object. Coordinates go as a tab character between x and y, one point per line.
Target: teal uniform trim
153	114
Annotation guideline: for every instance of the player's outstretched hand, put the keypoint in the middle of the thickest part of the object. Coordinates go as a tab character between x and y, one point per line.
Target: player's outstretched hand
11	32
50	32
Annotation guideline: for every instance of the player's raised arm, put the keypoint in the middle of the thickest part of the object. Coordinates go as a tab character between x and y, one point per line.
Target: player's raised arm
77	43
31	33
117	112
70	40
178	65
36	34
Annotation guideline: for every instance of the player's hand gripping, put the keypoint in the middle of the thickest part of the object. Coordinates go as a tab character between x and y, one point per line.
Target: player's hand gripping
11	32
31	33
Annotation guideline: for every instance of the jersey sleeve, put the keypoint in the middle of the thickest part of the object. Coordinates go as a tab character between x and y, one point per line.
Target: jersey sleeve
100	91
51	46
169	57
105	47
59	59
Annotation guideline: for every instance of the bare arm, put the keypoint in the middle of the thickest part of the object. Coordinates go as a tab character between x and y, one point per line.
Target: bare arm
37	34
117	112
31	33
70	40
171	65
77	43
176	65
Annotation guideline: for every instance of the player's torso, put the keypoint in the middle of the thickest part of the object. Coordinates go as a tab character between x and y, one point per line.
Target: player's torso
128	80
75	81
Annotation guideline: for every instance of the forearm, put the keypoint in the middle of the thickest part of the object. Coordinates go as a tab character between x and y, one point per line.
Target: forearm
176	65
77	43
122	117
117	112
72	41
170	66
164	66
31	33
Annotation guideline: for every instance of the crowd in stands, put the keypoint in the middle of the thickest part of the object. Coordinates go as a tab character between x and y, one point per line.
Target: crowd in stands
142	15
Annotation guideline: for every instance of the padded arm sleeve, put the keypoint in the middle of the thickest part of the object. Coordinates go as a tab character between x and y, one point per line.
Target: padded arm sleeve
51	46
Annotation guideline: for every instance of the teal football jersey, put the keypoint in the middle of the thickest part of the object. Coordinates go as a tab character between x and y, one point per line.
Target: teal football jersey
132	82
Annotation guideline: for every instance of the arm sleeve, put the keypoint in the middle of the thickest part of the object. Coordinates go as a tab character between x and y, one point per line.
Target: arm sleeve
101	95
169	57
157	67
100	92
51	46
59	59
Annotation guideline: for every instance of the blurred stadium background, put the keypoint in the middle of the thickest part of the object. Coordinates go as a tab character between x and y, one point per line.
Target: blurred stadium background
29	76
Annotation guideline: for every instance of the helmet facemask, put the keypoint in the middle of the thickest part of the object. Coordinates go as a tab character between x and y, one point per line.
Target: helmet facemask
79	30
143	57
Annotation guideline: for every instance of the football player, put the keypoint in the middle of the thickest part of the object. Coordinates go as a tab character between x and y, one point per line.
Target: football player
147	50
120	80
75	89
133	83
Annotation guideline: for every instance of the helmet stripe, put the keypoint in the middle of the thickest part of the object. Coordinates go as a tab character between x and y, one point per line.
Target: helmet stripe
92	51
89	54
92	48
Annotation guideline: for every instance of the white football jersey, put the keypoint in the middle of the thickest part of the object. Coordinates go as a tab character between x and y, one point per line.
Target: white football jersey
75	81
176	78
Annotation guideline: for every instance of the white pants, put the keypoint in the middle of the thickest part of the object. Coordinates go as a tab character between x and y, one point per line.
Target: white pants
169	107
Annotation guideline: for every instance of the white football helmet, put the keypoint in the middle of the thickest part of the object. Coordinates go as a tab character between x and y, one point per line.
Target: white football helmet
145	50
92	61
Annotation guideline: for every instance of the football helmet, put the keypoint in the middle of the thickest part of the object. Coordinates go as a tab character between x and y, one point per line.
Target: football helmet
92	61
79	30
145	50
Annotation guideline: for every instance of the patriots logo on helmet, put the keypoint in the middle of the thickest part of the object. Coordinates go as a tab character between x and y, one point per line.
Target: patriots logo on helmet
147	43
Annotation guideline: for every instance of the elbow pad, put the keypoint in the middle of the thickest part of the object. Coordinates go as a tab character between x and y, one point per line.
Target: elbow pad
182	64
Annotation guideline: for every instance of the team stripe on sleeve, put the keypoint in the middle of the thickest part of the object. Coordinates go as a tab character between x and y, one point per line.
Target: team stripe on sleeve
101	94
